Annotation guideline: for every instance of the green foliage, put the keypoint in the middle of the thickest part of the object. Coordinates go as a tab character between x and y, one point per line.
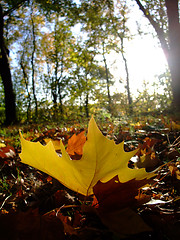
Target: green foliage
160	98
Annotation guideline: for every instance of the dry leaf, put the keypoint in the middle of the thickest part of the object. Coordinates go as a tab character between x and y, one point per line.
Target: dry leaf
114	195
7	151
76	143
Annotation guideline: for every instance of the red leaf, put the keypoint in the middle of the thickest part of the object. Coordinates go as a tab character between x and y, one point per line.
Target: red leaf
114	195
113	203
7	152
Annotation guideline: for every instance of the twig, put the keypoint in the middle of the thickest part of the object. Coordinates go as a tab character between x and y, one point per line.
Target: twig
168	140
176	141
5	201
160	179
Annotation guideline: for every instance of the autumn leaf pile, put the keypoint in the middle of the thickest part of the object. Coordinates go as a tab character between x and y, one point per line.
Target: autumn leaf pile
92	186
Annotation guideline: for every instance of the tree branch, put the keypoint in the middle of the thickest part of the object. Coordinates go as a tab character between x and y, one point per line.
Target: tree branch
16	6
157	28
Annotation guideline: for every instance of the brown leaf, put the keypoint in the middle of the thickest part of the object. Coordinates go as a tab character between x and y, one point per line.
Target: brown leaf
114	195
68	229
148	161
174	171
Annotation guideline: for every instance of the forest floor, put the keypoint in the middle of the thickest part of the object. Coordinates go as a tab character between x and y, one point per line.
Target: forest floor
33	205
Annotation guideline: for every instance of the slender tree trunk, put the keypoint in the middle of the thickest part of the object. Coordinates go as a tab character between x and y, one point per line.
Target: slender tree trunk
54	98
33	66
59	86
121	37
26	84
126	67
87	105
56	84
60	100
81	104
10	106
107	82
87	98
53	89
127	78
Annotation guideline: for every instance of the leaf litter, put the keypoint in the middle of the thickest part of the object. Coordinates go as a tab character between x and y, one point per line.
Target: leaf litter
27	192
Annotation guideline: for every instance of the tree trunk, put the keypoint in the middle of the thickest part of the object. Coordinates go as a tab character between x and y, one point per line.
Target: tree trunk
10	106
60	100
130	108
174	50
121	37
33	65
107	82
87	105
25	77
171	47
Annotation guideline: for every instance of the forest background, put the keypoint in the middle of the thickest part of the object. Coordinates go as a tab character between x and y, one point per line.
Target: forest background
55	59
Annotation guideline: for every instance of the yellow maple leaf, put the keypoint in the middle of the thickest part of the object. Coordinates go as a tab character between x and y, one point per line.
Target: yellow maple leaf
102	159
56	143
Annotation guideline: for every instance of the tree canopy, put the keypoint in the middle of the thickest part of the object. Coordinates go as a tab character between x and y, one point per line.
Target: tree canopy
59	65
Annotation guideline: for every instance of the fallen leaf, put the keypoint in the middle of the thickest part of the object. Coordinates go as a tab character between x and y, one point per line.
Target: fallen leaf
114	195
68	229
175	172
7	151
148	161
102	159
76	143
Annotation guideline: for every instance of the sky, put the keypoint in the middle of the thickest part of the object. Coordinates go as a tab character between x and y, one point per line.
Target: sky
145	57
145	61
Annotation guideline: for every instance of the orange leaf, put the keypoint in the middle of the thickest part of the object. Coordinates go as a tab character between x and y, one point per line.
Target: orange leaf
76	143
